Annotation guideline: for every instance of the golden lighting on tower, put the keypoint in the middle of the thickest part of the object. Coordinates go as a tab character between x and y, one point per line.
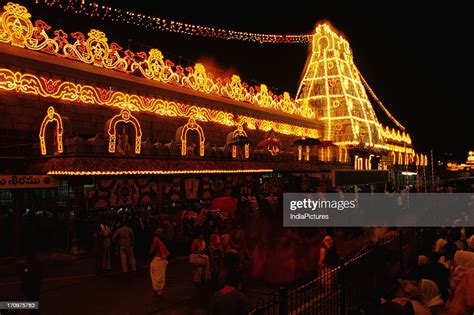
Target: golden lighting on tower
331	86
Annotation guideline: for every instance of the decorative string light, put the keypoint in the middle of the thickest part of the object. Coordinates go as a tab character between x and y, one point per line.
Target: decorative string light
125	116
27	83
331	84
50	117
159	172
103	12
380	103
18	30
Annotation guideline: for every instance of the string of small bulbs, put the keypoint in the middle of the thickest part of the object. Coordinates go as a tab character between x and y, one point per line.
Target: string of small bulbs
93	9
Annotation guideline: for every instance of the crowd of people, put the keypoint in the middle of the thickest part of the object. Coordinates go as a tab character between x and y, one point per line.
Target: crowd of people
217	249
441	283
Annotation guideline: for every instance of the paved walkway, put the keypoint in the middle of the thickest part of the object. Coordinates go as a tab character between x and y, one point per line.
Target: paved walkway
72	289
116	293
70	286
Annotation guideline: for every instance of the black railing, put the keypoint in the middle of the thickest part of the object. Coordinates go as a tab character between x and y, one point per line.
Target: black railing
351	286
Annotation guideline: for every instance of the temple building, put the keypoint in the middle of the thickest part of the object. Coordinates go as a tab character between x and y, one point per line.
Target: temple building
95	128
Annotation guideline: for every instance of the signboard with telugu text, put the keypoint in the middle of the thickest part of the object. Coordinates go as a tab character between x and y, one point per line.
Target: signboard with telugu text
27	181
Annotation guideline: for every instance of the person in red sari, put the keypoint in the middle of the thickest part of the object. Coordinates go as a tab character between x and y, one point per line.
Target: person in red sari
158	253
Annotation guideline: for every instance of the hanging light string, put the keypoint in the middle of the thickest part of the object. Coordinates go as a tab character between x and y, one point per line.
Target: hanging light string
380	103
104	12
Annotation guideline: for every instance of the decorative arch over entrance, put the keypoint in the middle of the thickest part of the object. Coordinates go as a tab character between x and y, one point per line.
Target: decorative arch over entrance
240	132
51	116
125	116
192	125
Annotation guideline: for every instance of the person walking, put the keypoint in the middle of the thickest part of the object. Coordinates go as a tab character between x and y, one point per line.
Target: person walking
105	234
158	253
125	238
328	260
200	260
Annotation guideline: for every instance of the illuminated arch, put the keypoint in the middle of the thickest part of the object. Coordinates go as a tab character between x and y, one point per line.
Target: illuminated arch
392	153
125	116
192	125
51	116
240	132
307	150
342	154
368	165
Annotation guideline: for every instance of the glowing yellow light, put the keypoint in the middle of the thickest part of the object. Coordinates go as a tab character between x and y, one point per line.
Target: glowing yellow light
368	161
50	117
150	22
240	132
63	90
126	117
192	125
17	29
332	84
157	172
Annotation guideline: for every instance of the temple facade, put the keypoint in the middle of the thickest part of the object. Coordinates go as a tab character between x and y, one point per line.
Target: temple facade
105	128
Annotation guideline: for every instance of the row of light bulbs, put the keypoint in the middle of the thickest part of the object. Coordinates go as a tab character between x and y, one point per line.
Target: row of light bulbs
104	12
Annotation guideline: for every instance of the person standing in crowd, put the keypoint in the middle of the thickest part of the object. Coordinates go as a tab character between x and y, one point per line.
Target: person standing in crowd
199	260
429	268
225	241
105	234
158	253
230	263
328	255
431	296
124	237
469	232
462	301
215	254
328	259
229	300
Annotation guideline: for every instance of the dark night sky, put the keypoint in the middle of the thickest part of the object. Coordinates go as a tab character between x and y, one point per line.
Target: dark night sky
415	58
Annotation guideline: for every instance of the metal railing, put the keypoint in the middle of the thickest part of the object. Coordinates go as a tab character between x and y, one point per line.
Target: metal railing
349	287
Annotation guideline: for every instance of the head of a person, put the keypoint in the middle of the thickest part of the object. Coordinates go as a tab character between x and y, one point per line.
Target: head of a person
450	250
423	260
233	278
410	289
429	290
454	235
200	236
231	260
328	241
469	231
